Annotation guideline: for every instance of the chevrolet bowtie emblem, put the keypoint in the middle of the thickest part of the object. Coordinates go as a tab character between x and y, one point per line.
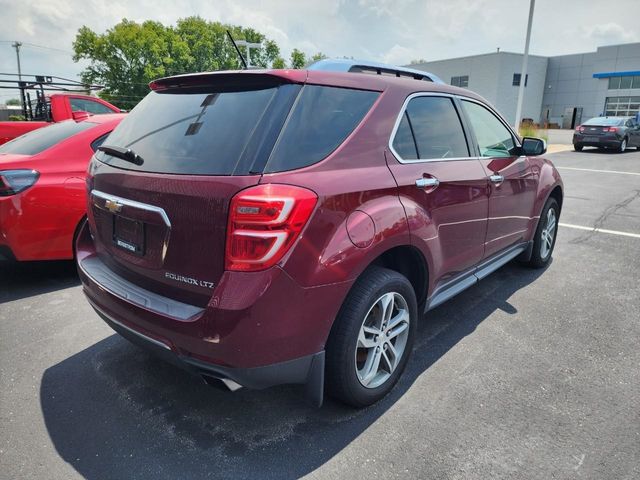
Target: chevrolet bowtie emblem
113	206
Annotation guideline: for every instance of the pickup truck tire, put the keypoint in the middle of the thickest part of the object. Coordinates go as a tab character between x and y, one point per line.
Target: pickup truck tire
372	338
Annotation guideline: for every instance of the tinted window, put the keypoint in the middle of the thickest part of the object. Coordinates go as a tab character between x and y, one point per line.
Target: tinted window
99	141
83	105
462	81
625	82
516	79
190	133
494	139
322	118
39	140
614	83
604	121
403	142
437	128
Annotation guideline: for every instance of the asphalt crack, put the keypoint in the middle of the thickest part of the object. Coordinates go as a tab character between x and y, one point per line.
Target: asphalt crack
608	212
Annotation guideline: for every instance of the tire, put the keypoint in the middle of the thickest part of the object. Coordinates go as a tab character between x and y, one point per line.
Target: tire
348	360
577	147
623	145
542	252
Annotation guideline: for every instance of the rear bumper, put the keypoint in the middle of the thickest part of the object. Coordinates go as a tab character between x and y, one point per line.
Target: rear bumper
308	370
610	141
259	329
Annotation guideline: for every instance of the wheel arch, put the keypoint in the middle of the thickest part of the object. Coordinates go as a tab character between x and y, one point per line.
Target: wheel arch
409	262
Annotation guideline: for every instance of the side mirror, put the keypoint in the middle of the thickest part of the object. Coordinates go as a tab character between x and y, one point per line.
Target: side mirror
533	146
80	115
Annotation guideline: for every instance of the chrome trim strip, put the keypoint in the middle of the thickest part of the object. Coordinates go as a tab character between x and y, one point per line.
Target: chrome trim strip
191	310
501	259
451	96
133	204
129	329
473	275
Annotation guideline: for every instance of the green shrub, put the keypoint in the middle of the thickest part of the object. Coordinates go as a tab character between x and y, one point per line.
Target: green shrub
529	130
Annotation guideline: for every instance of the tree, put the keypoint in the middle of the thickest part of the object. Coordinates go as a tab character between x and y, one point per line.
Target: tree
13	101
318	56
279	63
298	59
128	56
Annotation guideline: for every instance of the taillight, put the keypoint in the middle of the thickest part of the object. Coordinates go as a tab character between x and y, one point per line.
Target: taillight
610	129
15	181
264	221
580	129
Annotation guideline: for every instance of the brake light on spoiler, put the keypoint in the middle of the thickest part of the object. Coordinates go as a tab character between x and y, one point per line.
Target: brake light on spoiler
264	221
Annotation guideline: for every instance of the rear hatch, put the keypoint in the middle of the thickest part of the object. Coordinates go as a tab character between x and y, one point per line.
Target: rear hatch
161	223
159	212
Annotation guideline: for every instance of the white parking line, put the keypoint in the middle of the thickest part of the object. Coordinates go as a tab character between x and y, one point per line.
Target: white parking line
597	171
600	230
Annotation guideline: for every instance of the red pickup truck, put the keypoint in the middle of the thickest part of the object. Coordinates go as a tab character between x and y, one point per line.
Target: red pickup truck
56	108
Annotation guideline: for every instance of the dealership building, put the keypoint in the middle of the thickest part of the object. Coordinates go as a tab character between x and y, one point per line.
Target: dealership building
563	90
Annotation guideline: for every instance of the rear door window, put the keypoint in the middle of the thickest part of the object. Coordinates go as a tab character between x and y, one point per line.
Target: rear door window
322	118
403	143
37	141
436	128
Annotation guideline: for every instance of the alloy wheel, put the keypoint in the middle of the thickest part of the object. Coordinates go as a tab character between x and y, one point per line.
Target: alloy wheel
548	233
382	339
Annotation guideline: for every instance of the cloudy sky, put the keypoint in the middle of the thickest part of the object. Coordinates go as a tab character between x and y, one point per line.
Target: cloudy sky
393	31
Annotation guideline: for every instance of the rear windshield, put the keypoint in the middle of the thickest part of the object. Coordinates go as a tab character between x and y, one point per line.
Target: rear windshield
37	141
238	132
604	121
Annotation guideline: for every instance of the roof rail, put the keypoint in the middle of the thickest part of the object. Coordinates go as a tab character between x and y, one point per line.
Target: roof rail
376	68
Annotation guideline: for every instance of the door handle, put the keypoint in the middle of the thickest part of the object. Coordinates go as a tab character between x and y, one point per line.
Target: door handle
496	178
427	182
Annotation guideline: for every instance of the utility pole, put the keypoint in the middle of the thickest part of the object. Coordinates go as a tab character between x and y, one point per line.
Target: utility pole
523	73
249	45
17	46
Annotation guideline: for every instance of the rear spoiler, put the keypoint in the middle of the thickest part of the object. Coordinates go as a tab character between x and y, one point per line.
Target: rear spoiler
232	79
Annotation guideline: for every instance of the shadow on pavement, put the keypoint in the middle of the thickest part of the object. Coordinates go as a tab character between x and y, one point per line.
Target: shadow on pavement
114	411
25	279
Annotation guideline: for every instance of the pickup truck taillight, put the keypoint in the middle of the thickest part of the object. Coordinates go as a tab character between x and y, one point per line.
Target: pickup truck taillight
264	221
15	181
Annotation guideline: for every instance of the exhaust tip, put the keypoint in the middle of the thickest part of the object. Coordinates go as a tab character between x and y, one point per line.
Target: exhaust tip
221	383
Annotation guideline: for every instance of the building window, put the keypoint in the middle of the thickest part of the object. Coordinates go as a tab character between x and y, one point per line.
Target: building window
622	106
462	81
626	81
516	79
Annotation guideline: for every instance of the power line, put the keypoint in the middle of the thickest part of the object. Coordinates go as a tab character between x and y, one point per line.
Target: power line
40	46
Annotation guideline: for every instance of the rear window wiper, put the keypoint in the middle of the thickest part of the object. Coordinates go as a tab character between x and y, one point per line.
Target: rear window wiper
123	153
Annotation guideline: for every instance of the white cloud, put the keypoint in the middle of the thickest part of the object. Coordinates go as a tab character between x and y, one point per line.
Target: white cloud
610	33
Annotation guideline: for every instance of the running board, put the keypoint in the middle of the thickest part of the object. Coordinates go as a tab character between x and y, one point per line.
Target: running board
473	276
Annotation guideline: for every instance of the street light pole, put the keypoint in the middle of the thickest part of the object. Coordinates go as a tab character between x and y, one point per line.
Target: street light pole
249	45
523	73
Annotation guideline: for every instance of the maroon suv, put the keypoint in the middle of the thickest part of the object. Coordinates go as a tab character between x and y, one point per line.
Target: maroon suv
269	227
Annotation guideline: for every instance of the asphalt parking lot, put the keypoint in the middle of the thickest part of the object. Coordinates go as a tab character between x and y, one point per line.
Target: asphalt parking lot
529	374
